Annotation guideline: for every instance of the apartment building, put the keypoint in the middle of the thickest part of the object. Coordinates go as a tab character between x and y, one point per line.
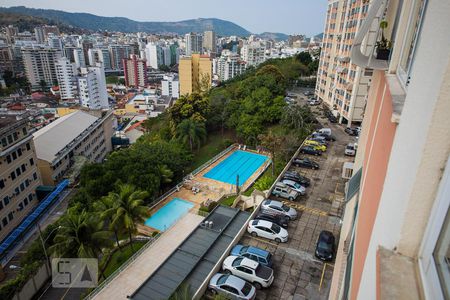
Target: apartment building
92	87
194	71
6	58
40	65
229	65
66	73
253	53
154	55
100	55
170	86
81	133
341	84
394	242
194	43
118	53
19	175
210	42
135	70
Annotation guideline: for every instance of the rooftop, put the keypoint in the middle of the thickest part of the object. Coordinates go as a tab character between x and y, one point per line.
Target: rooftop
196	256
57	135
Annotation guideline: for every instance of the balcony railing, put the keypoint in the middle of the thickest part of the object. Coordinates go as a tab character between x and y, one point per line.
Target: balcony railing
369	30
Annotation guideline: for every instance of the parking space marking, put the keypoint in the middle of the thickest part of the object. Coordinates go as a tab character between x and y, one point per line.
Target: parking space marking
265	241
311	210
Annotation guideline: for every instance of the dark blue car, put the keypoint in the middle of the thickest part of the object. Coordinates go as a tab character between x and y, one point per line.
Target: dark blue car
254	253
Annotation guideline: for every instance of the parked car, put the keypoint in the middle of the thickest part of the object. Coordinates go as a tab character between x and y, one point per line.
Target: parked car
324	131
326	137
316	145
283	191
295	186
295	176
305	163
267	230
351	131
292	95
260	276
308	93
254	253
325	246
277	207
320	139
231	287
350	149
310	150
280	220
313	102
332	118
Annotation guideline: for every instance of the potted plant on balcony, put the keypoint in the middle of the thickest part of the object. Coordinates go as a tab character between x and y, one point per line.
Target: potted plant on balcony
384	45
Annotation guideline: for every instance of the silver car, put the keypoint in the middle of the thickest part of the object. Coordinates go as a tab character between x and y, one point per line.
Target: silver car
277	207
231	287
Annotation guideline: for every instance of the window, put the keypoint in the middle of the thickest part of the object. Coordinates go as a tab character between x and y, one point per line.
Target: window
23	167
6	200
4	142
19	151
24	131
34	176
13	175
10	140
2	184
31	161
8	159
410	39
10	216
4	221
28	146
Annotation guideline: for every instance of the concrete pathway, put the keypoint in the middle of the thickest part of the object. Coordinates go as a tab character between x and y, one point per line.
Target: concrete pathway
127	281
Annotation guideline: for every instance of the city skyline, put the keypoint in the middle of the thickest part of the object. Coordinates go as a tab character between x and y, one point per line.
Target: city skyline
294	17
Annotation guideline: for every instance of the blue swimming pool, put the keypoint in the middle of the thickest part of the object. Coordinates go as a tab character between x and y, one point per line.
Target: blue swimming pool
169	214
240	163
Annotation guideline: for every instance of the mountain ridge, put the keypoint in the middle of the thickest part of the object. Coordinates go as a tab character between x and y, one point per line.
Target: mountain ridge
88	21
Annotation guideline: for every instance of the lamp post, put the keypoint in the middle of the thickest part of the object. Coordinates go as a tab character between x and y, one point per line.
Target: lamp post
43	241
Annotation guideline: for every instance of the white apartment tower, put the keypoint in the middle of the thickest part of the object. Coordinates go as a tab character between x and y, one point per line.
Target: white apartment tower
66	73
170	86
194	43
229	65
100	55
92	87
154	55
342	85
253	53
39	62
79	58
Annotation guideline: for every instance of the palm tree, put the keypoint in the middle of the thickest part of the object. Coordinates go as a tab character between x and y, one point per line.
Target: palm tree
191	132
106	208
165	174
129	208
80	235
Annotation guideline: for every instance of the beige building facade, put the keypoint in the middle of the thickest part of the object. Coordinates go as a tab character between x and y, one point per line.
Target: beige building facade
19	176
194	71
81	133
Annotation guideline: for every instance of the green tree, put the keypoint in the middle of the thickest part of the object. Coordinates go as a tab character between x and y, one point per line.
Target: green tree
105	208
129	208
81	234
191	133
304	57
272	143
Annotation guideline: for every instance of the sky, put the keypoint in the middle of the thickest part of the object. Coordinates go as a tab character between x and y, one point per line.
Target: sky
257	16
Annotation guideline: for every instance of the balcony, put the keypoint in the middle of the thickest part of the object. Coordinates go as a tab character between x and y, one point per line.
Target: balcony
363	55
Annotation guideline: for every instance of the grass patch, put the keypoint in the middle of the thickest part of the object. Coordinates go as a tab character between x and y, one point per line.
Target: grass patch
121	256
228	201
249	191
213	146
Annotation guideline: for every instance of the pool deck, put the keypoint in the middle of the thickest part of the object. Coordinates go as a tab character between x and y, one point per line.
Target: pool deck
209	188
128	280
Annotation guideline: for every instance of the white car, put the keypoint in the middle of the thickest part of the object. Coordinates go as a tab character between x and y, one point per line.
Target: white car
350	149
278	208
295	186
258	275
267	230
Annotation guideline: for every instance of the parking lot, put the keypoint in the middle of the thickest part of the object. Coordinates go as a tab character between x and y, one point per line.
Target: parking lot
298	273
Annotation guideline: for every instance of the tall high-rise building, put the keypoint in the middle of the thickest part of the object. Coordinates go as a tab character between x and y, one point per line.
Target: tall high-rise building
210	42
341	84
92	87
39	62
78	56
229	64
6	58
253	53
135	70
154	55
19	176
100	55
194	72
118	53
395	242
39	35
194	43
66	73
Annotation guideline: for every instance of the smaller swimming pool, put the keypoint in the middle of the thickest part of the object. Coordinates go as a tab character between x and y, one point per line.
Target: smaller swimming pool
169	214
